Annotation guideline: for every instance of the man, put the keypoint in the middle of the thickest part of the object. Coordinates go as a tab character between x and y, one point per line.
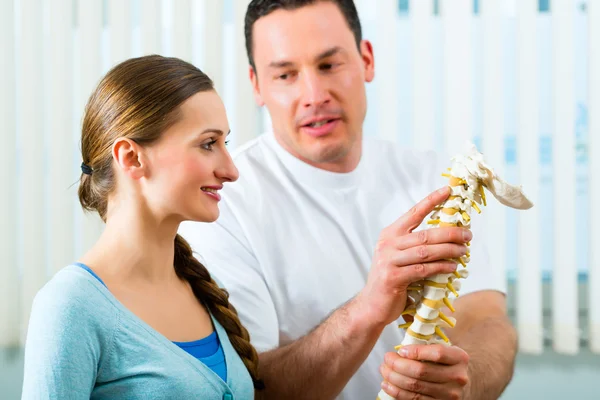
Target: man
317	241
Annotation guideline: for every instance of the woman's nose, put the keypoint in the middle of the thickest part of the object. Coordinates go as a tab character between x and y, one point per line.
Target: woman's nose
227	171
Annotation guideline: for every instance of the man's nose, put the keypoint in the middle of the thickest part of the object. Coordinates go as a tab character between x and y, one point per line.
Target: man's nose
314	90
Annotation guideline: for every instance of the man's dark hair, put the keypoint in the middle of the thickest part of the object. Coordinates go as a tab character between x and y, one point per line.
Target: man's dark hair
260	8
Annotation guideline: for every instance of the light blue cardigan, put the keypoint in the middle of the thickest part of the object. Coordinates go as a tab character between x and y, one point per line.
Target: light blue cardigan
84	344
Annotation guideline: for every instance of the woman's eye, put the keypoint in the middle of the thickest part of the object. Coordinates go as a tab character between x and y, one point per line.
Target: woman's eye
208	146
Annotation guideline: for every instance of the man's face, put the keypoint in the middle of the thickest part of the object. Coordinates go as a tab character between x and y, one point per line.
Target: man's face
311	76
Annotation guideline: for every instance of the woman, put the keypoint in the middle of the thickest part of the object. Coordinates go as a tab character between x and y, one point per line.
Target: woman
138	317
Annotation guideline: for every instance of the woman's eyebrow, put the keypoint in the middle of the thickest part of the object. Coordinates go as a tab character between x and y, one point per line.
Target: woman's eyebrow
214	130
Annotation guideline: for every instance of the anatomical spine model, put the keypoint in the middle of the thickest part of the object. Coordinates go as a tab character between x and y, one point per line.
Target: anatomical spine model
467	177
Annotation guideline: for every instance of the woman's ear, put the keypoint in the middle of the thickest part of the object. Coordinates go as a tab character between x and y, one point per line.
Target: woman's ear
129	158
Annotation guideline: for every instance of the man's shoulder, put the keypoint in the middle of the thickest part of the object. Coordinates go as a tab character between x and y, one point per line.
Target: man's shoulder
388	148
387	155
259	169
252	151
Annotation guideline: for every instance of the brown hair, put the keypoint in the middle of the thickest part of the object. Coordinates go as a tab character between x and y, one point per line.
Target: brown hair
261	8
139	99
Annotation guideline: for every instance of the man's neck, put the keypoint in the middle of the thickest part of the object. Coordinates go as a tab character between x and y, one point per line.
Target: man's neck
343	163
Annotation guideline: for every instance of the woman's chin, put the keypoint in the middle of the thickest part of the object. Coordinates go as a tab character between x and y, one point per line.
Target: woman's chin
205	217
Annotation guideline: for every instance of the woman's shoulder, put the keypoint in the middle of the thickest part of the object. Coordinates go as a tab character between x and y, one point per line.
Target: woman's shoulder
71	324
73	295
70	284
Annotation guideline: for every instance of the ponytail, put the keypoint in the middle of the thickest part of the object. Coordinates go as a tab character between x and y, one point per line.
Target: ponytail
217	300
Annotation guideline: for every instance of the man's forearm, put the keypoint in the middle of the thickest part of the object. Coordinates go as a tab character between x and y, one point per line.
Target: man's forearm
318	365
491	345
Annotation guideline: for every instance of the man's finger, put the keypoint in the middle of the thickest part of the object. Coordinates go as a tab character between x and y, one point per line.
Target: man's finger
437	353
424	371
413	218
407	274
428	253
401	394
412	385
433	236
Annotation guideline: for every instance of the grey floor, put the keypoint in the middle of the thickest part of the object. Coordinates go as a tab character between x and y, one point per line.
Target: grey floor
550	376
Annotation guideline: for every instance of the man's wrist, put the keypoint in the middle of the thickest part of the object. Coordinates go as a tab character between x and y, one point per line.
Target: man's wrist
360	319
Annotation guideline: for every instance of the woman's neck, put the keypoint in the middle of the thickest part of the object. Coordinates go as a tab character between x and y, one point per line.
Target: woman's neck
135	247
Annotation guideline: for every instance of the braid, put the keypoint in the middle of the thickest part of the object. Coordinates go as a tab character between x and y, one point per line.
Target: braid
217	300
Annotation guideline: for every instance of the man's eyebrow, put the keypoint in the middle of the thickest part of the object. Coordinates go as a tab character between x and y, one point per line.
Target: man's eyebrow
280	64
327	53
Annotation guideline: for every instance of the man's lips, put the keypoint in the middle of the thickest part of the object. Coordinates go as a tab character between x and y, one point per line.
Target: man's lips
320	126
316	121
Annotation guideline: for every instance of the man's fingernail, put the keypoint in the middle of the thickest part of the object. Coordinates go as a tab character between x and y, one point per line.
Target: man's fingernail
385	385
403	352
467	235
443	190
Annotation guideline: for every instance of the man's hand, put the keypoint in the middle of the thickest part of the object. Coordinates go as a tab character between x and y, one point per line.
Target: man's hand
426	372
403	257
335	350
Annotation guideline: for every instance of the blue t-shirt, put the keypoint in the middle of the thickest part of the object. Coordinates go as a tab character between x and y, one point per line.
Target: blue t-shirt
208	350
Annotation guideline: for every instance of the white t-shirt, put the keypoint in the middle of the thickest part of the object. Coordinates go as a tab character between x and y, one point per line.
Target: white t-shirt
294	242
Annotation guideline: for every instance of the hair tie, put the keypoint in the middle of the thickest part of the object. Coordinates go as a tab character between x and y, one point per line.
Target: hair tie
86	169
258	384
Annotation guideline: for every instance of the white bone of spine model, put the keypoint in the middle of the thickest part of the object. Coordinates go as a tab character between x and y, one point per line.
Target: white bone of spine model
468	176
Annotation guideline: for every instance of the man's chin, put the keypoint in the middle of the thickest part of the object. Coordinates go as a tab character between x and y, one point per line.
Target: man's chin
327	154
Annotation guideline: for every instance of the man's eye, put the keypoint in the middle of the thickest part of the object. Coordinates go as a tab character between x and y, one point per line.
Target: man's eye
286	76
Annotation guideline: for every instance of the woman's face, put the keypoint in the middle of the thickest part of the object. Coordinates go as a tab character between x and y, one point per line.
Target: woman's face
190	162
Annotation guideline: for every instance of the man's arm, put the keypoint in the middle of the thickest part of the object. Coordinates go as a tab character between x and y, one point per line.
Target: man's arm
485	332
319	365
